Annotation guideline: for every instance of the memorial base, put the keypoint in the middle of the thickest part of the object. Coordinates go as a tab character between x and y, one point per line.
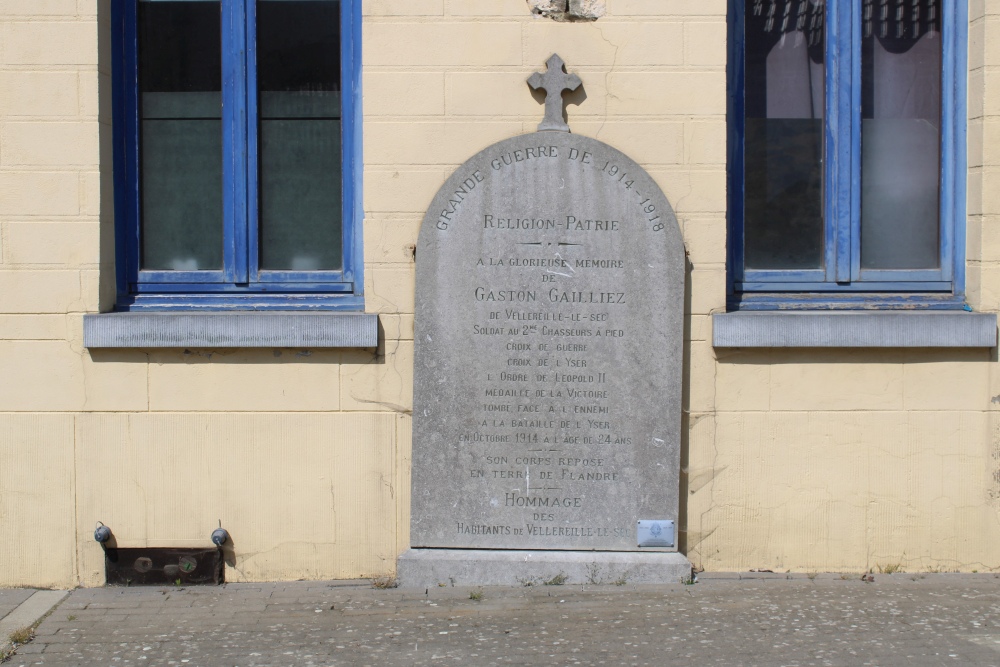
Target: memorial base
424	568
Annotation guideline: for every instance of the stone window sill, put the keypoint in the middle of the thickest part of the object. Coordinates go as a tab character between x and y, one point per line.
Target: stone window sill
854	329
230	330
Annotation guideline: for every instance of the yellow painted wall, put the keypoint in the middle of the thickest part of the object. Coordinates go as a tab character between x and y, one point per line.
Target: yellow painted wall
801	460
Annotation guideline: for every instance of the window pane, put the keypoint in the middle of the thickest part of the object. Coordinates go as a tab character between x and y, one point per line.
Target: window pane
785	96
298	65
180	84
901	134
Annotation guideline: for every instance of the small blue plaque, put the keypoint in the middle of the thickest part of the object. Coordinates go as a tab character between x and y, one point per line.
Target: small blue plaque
655	533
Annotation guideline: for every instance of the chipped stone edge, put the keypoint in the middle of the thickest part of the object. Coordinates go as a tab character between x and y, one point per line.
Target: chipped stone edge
568	10
230	330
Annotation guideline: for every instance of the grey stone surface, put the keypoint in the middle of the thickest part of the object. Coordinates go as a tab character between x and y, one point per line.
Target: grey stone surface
554	82
854	329
419	568
900	620
588	9
548	351
29	611
10	598
569	10
227	330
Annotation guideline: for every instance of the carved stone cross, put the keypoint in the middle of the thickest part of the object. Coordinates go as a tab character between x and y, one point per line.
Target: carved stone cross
554	82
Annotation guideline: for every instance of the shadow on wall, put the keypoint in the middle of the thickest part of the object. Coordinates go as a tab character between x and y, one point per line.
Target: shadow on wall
686	422
821	356
107	288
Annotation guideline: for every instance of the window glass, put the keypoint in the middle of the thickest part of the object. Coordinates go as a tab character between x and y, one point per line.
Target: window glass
299	100
901	134
180	111
785	74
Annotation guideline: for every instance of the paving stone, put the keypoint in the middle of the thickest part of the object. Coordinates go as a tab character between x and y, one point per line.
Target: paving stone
10	598
898	620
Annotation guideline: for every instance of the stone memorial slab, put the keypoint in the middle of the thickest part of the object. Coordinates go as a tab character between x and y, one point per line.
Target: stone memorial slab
548	363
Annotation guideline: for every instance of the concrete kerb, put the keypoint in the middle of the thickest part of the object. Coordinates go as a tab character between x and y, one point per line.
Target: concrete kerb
27	615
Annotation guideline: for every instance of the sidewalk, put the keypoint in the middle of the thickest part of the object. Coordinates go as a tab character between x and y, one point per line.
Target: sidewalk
725	619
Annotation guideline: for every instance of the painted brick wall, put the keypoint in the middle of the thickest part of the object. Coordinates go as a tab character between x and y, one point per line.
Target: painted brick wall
802	460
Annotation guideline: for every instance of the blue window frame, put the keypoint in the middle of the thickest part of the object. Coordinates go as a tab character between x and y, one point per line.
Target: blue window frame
846	188
240	186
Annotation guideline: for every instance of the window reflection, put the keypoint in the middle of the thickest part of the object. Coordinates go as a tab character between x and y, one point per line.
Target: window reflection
298	63
785	98
901	134
180	84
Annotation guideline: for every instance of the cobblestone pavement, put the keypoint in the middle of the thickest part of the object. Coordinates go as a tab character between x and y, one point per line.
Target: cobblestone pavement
901	619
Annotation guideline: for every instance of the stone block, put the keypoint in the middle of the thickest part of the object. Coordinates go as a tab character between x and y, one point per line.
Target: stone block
46	8
70	244
645	93
49	144
39	193
605	44
700	327
693	191
989	228
705	241
245	380
391	241
804	380
675	8
423	92
402	7
449	45
32	291
974	185
433	142
708	290
424	568
977	44
397	327
49	43
990	192
36	506
404	459
705	142
990	140
378	383
389	289
646	142
587	9
38	93
403	189
49	376
700	379
976	145
947	380
494	8
740	380
32	327
705	43
991	49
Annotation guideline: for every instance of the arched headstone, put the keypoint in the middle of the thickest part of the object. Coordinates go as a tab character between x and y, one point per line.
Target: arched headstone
548	368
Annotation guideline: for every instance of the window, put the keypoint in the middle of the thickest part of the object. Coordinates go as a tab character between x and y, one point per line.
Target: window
237	159
847	152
